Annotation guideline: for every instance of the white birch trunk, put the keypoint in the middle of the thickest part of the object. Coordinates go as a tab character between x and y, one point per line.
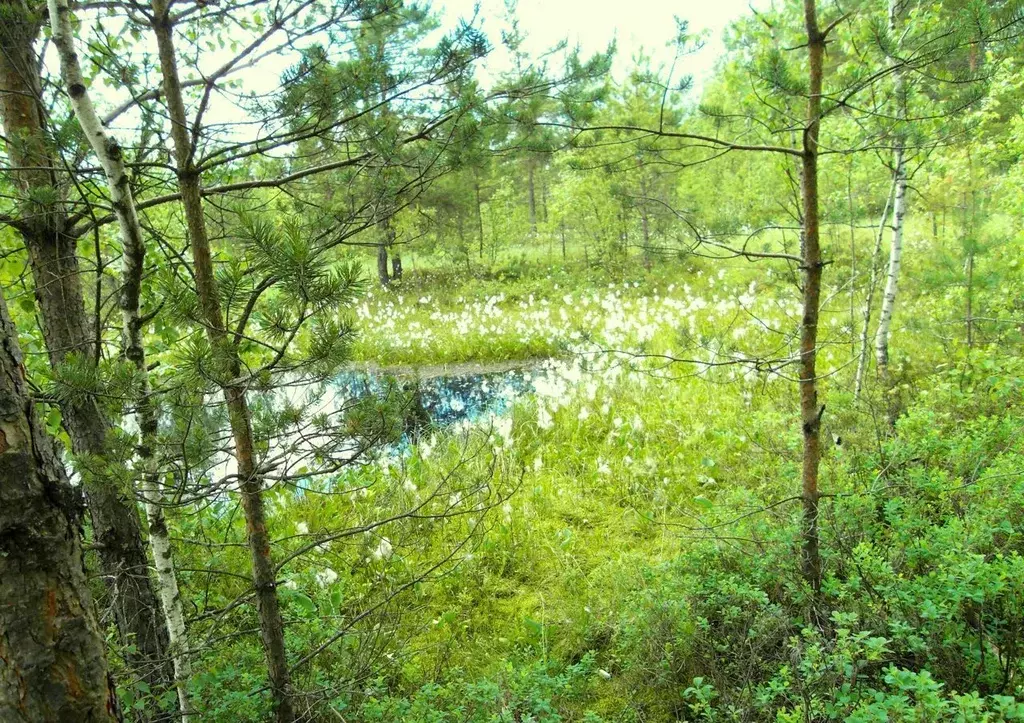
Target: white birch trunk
111	158
893	274
865	335
898	213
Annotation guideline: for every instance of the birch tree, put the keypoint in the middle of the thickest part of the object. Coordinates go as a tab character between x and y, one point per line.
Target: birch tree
133	255
898	206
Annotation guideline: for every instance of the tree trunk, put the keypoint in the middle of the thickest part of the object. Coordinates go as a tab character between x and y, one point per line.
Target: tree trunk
396	266
479	216
810	412
55	271
110	155
251	485
893	274
898	212
531	196
561	229
647	237
970	298
862	361
382	264
543	200
51	647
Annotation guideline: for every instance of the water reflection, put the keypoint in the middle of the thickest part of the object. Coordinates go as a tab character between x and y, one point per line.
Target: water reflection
441	400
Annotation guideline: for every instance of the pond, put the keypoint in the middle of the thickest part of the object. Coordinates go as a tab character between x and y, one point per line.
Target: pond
446	395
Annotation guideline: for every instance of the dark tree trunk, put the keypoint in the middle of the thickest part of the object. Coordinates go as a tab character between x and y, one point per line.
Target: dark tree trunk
387	242
66	331
52	664
396	266
382	265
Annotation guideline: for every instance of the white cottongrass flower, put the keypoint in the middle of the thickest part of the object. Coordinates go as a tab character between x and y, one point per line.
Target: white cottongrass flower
384	550
503	428
326	577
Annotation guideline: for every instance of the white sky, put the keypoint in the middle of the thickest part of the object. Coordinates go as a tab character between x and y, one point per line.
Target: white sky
592	24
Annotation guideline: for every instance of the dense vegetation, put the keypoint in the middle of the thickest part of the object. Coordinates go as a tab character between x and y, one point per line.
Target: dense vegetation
344	380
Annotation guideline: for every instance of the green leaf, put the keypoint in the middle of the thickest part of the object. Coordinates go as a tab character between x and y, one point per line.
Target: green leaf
306	603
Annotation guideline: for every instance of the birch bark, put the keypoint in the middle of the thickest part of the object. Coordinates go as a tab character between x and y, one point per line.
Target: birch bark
111	158
898	213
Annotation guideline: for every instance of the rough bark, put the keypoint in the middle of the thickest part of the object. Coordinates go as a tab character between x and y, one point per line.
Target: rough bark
66	331
110	155
251	485
52	664
810	411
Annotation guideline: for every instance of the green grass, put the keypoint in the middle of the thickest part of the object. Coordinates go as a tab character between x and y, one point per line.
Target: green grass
636	555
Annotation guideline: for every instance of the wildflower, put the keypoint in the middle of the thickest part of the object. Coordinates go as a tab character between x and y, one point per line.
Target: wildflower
503	426
384	550
326	577
302	528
